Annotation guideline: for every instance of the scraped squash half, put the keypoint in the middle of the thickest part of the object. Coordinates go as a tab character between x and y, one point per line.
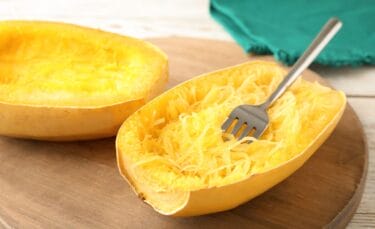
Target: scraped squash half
172	151
65	82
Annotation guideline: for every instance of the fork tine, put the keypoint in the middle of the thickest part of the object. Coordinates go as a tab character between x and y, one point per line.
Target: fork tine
258	132
237	127
246	132
227	124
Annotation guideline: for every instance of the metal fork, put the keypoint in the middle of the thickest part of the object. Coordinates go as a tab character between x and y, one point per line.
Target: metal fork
255	117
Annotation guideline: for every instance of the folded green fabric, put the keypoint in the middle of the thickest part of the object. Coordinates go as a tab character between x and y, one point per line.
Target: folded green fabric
285	28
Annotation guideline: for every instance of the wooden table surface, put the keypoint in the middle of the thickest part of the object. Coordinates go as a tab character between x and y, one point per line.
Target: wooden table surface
150	18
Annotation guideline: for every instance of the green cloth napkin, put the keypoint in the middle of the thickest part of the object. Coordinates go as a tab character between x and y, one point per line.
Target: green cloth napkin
285	28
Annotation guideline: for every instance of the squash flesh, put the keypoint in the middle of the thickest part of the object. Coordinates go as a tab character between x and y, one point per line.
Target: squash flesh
53	64
174	144
63	82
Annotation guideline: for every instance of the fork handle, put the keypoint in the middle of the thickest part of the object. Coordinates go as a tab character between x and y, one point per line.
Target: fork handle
321	40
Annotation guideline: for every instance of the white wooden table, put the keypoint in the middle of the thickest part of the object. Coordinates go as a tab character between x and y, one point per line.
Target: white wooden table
150	18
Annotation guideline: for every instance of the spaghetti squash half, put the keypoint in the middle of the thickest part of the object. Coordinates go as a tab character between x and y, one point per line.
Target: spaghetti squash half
66	82
173	153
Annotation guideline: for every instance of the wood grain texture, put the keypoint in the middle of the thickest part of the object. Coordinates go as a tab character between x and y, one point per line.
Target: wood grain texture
365	109
77	185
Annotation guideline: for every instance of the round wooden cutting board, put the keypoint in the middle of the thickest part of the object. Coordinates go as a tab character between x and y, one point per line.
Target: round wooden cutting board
77	185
